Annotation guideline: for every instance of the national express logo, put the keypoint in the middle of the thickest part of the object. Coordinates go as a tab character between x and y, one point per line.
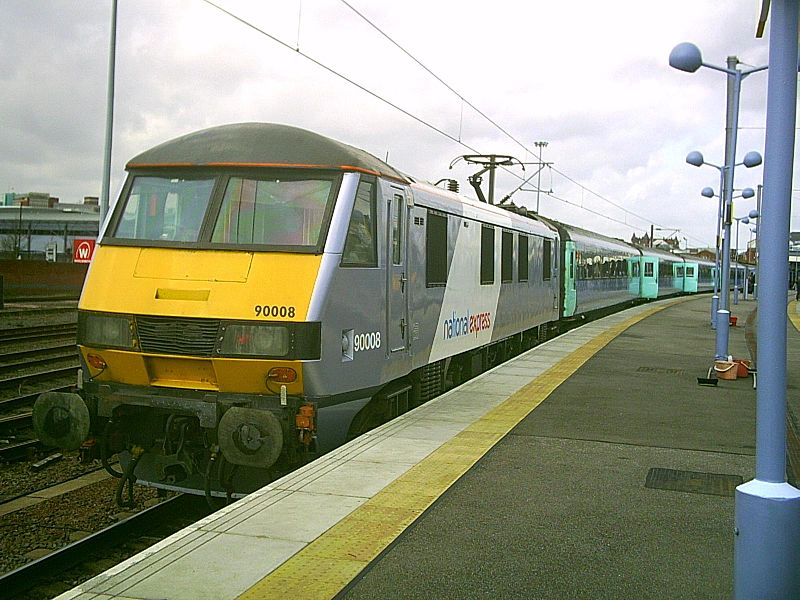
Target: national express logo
457	326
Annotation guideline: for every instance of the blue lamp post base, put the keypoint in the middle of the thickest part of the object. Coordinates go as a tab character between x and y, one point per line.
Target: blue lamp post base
723	330
767	532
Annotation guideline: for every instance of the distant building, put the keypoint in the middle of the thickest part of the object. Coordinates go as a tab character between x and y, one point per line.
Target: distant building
702	253
670	244
35	199
37	223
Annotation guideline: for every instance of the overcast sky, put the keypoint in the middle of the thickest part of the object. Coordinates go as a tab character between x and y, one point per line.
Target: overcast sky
590	78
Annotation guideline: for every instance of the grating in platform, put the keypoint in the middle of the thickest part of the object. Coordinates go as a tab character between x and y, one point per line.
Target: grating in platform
692	481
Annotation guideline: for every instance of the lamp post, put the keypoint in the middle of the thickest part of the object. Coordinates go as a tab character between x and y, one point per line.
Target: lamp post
751	159
709	193
754	242
753	214
687	57
112	52
767	508
766	552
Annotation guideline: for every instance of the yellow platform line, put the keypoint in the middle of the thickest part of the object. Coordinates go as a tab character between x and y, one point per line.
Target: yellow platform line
328	564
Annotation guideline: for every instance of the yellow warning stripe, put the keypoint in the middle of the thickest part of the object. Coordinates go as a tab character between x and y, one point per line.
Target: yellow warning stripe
328	564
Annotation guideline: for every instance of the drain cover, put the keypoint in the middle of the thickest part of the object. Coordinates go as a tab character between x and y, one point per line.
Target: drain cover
660	370
692	481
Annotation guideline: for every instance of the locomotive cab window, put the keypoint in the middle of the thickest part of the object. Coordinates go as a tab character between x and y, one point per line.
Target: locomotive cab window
272	212
288	213
164	209
360	248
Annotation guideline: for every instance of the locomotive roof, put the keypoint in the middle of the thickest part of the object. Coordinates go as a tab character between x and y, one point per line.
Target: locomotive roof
261	145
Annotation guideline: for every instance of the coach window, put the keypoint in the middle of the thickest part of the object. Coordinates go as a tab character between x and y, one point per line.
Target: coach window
487	255
507	257
547	260
648	269
522	258
397	229
436	250
360	249
690	271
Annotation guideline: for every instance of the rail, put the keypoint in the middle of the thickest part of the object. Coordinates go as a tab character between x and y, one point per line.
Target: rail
51	568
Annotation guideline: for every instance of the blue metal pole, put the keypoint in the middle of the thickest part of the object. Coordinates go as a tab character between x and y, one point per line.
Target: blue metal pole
767	542
724	313
715	297
736	266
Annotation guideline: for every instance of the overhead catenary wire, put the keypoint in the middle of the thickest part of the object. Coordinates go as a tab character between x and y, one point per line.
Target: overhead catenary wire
491	121
434	75
336	73
422	121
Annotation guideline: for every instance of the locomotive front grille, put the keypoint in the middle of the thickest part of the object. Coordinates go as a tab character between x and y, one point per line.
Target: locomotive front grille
175	335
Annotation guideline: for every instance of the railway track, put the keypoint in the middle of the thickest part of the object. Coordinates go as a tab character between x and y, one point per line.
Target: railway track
16	422
37	354
29	354
38	333
79	560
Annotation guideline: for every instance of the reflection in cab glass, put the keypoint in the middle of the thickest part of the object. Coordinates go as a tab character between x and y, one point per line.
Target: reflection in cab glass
272	212
161	209
253	212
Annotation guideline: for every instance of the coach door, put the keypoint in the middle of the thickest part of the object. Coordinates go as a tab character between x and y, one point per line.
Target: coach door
397	273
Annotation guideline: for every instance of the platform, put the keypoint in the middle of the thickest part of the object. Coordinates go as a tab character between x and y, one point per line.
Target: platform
593	466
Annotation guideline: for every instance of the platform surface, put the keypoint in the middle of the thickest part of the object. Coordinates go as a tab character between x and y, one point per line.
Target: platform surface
593	466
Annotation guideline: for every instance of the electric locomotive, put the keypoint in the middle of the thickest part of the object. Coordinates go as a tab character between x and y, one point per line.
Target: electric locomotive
260	294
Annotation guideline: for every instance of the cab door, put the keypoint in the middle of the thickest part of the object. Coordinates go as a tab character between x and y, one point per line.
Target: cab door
397	272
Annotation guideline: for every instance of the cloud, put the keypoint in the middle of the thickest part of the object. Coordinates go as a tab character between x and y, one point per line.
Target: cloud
590	78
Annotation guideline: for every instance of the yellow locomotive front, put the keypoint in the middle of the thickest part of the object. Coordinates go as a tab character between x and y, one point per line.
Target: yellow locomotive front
193	322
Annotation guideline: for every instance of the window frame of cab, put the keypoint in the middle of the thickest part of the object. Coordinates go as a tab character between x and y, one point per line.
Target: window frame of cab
222	177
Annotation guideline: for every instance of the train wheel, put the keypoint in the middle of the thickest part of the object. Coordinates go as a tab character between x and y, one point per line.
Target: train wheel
369	417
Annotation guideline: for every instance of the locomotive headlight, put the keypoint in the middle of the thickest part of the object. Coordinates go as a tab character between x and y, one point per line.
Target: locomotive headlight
254	340
105	330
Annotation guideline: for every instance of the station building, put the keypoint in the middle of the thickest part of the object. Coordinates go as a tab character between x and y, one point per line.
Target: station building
38	226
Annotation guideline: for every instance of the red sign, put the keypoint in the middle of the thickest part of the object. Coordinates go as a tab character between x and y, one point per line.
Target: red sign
82	250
